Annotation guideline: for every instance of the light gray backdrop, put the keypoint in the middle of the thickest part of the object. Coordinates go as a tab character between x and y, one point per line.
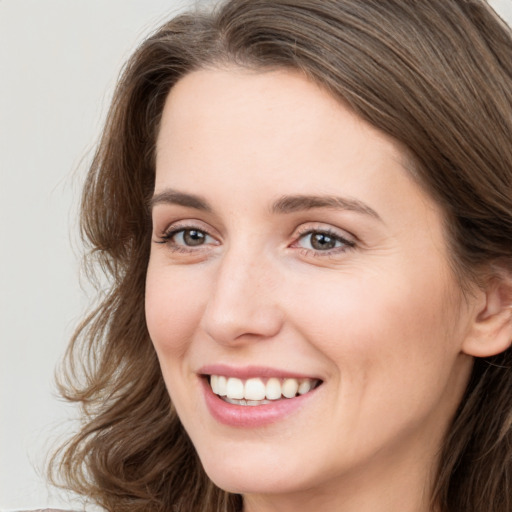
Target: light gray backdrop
58	63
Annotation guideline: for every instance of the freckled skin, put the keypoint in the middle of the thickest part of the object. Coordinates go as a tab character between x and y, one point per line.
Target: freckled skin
378	316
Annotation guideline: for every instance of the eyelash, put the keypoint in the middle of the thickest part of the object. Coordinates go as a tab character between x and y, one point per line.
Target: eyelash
167	238
345	243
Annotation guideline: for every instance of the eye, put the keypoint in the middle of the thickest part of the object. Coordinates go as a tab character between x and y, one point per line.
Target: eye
186	239
323	241
190	237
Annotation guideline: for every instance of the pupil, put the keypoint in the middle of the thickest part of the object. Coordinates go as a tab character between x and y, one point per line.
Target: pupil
193	237
321	241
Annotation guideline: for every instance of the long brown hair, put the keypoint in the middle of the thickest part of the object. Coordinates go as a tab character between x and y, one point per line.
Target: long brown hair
437	76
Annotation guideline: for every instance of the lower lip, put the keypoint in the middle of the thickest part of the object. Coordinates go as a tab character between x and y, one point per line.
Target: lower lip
250	416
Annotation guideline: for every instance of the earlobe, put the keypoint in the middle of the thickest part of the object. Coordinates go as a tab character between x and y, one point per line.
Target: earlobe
491	332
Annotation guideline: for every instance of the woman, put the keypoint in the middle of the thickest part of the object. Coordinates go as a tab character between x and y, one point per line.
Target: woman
313	200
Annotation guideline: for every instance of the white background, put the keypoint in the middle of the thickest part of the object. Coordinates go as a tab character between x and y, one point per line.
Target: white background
58	63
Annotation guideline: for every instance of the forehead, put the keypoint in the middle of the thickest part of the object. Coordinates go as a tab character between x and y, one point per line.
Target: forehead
229	114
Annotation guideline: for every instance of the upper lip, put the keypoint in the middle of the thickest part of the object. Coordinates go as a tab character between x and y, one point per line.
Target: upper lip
248	372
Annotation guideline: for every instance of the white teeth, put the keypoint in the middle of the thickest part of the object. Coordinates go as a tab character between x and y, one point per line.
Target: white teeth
273	389
246	402
304	386
214	383
235	388
222	386
290	388
255	391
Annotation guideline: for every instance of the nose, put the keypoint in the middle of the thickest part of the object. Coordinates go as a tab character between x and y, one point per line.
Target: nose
243	305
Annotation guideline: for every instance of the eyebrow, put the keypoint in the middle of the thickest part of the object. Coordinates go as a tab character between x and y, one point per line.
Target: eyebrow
284	205
170	196
290	204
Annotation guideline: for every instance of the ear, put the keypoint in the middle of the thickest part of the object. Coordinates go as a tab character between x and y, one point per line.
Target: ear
491	332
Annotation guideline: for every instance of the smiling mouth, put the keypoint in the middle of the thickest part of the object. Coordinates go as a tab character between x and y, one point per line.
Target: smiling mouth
258	391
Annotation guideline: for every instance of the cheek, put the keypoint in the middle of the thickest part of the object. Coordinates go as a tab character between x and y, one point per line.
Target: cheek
383	331
391	347
173	310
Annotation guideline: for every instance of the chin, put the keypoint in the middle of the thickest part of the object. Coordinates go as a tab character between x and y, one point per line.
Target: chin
247	475
250	482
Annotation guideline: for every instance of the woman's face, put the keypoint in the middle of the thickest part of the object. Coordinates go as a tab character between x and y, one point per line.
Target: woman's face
292	250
